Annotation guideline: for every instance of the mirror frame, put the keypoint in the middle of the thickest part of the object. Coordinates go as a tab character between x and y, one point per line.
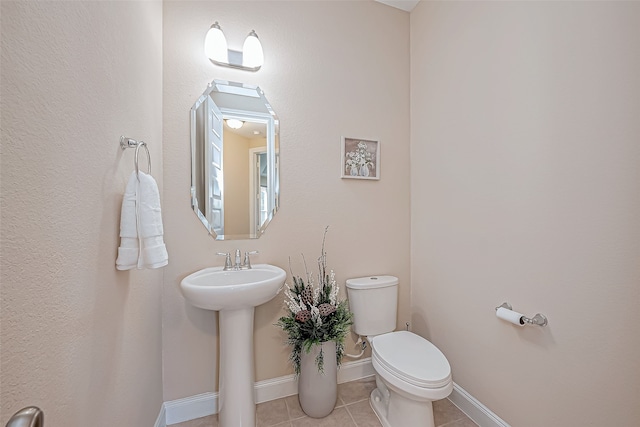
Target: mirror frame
267	118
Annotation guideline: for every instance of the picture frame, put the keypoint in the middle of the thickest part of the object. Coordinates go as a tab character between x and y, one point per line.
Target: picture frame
360	158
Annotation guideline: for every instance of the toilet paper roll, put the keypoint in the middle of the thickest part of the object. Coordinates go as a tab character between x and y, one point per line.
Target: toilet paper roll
510	316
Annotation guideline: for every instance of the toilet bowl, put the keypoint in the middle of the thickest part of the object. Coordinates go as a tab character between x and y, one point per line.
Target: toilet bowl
411	372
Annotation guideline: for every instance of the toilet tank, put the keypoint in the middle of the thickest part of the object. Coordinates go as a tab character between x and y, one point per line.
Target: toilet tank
374	303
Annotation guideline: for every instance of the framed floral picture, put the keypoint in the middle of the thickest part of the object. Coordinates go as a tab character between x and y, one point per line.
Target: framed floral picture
360	158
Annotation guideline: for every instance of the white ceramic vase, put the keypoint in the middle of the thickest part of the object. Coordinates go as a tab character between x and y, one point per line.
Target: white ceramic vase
317	391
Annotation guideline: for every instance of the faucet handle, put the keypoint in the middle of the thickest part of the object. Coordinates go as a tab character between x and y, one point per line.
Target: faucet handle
227	261
247	261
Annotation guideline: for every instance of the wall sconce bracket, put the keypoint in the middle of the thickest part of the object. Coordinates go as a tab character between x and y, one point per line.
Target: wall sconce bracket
235	61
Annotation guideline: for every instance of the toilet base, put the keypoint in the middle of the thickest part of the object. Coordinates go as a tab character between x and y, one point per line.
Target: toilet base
398	411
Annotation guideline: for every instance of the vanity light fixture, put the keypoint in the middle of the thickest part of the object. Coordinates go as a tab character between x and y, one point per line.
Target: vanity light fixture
215	47
215	44
234	123
252	54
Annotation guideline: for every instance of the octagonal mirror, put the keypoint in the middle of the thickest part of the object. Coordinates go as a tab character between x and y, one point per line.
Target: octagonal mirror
234	160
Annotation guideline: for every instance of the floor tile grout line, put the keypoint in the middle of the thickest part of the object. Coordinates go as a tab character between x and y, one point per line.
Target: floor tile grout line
286	404
351	415
260	421
341	403
290	417
451	422
460	416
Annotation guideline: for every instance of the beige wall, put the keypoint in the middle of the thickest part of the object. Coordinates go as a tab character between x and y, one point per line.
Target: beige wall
236	184
331	69
526	188
79	339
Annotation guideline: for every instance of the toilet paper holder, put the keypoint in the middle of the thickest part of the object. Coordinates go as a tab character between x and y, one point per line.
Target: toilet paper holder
538	319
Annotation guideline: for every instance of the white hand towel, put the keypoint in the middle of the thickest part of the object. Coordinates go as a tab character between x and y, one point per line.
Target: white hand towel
141	233
128	252
154	252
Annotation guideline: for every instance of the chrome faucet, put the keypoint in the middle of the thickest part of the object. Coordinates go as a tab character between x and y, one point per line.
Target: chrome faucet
227	261
247	261
239	264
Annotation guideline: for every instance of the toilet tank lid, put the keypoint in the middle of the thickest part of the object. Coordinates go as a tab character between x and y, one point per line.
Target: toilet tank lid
372	282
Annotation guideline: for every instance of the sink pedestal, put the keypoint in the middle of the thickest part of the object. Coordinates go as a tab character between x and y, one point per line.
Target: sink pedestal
234	294
236	400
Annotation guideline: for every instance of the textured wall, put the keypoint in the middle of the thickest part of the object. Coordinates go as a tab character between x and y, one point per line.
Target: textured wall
236	183
526	188
331	69
79	339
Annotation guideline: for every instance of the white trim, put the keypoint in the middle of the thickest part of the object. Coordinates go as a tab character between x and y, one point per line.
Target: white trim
161	421
254	208
276	388
358	369
202	405
475	410
191	407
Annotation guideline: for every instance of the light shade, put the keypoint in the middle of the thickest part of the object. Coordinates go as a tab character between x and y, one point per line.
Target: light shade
215	44
252	55
234	123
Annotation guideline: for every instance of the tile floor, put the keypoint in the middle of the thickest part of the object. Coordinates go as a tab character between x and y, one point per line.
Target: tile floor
352	410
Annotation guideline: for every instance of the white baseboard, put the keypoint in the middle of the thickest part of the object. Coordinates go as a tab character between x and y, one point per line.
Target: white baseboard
190	408
475	410
275	388
356	370
202	405
161	421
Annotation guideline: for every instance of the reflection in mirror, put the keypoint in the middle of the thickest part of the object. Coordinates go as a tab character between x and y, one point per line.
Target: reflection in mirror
234	160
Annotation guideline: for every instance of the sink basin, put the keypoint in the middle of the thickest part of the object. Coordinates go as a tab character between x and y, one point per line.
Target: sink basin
216	289
234	294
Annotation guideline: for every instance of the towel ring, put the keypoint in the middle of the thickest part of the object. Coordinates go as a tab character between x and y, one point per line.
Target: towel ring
142	144
126	142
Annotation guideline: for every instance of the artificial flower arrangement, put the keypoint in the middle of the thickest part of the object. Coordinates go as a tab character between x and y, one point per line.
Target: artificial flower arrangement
314	314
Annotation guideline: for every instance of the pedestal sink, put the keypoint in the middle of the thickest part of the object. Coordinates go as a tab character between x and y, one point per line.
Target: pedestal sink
235	294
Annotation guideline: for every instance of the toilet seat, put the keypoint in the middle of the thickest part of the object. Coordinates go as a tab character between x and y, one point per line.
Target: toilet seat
411	359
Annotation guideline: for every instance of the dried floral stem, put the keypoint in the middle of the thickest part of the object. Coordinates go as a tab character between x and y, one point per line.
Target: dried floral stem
314	313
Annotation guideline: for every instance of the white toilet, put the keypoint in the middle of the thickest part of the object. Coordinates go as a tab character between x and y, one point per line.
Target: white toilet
410	371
